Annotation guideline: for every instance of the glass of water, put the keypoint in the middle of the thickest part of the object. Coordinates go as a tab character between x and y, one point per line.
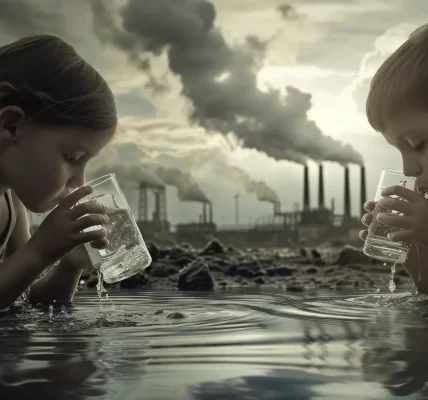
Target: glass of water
126	254
377	244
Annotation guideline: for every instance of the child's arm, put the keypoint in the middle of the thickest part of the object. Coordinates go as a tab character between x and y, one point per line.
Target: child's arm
59	283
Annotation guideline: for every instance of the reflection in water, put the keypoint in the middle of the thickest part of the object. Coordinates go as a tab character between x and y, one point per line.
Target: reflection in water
265	345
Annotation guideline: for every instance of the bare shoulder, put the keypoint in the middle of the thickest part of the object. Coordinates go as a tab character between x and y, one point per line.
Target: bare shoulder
21	232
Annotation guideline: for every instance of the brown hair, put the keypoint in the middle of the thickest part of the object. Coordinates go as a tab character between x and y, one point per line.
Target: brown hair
401	82
53	85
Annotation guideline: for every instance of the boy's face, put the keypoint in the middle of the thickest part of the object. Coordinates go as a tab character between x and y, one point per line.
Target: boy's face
408	132
46	163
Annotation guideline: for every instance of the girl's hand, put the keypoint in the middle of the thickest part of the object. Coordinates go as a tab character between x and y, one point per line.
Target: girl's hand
412	217
62	230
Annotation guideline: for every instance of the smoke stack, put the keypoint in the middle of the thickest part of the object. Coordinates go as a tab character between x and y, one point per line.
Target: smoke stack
321	187
210	210
156	214
204	213
306	200
347	195
363	189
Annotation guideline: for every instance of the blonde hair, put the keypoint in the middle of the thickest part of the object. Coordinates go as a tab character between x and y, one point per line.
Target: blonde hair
53	85
401	82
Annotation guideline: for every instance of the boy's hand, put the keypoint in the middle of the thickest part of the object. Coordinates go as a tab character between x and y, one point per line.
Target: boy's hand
367	218
62	229
413	218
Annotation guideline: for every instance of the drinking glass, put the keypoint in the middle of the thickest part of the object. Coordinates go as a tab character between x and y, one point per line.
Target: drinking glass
126	254
377	244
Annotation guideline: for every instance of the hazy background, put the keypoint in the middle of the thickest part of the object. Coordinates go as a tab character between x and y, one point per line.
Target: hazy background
191	82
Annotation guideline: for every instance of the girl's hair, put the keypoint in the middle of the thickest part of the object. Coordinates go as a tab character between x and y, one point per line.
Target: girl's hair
401	82
53	85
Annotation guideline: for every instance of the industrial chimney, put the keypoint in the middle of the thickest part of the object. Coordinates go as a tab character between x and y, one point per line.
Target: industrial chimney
321	187
210	212
347	196
306	199
204	213
363	189
157	212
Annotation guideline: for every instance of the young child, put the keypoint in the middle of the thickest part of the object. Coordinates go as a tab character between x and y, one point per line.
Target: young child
56	113
397	107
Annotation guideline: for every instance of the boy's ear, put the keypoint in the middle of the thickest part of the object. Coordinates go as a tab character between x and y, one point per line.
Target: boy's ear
10	117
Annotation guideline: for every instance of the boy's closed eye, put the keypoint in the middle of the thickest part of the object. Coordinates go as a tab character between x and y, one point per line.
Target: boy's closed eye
419	146
72	159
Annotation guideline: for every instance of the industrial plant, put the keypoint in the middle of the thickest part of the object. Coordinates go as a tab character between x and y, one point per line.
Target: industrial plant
285	228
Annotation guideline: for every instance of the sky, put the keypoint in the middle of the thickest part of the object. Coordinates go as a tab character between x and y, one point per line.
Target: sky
197	108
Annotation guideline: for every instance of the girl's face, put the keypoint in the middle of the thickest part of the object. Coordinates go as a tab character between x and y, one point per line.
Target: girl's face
408	132
42	165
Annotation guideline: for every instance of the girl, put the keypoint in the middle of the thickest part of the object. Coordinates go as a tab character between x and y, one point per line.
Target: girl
56	113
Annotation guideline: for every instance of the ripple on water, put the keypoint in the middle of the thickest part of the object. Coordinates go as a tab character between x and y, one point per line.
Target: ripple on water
166	335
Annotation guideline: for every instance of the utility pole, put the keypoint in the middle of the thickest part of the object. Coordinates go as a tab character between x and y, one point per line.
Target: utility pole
237	196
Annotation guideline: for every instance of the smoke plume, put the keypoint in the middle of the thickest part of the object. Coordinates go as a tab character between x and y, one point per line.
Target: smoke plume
128	176
219	80
187	188
238	176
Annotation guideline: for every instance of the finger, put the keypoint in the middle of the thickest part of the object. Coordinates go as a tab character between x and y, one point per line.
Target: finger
90	236
367	219
394	220
100	244
401	206
90	207
88	221
74	197
363	235
369	205
400	191
405	235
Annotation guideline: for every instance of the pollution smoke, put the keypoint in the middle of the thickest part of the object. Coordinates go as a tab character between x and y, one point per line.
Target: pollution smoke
187	188
218	79
128	176
251	186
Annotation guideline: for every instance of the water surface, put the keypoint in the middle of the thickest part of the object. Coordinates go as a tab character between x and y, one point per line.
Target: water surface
267	345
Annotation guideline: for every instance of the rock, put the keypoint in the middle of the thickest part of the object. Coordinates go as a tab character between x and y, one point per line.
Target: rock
281	270
176	315
319	263
232	250
250	269
315	254
259	281
163	270
196	276
213	247
182	262
303	252
153	249
352	255
131	282
187	247
176	253
311	270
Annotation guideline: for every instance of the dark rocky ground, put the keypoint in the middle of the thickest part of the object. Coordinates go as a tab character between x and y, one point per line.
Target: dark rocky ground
220	267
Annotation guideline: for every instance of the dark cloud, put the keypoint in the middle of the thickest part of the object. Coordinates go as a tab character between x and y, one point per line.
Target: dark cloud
220	80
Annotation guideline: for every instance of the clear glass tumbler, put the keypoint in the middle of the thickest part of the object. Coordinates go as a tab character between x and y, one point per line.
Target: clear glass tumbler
377	244
126	254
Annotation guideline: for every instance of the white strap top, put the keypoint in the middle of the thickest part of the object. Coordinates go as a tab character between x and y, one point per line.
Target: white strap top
11	224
